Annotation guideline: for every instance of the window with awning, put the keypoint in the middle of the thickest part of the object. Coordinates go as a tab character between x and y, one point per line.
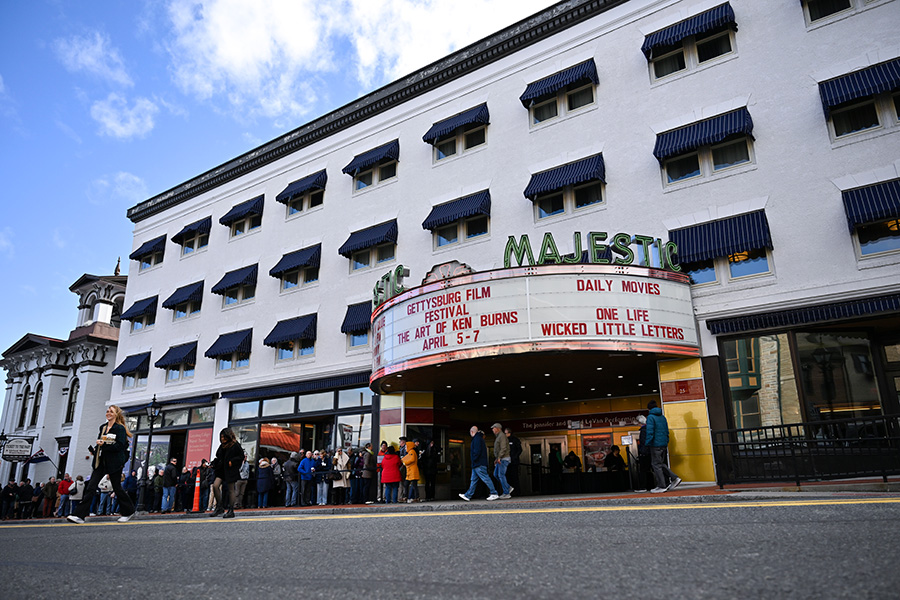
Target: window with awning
691	43
293	338
357	322
136	363
374	166
873	214
562	93
237	286
245	216
150	253
308	192
194	236
378	240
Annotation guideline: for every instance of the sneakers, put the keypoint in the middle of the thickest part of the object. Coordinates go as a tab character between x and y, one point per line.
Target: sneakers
505	497
674	484
410	500
74	519
509	493
464	497
658	490
92	514
493	497
124	519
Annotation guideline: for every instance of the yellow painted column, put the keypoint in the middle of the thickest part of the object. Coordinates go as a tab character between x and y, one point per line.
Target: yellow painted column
391	422
683	396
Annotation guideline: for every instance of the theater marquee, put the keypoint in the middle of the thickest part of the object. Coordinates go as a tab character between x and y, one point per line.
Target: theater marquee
535	309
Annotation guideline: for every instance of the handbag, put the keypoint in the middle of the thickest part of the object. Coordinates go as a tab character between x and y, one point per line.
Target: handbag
335	475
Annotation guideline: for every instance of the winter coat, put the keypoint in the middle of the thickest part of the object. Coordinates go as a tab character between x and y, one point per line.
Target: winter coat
76	490
390	468
113	456
170	476
429	462
49	491
323	468
657	429
305	468
478	451
290	469
515	449
340	464
228	462
614	462
265	479
368	470
501	446
411	461
64	485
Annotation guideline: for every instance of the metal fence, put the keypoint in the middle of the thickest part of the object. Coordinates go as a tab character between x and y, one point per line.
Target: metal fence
815	450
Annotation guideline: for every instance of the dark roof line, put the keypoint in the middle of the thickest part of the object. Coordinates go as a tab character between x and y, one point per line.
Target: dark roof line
526	32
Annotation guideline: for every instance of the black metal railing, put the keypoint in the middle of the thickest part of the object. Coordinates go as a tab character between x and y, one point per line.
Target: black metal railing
815	450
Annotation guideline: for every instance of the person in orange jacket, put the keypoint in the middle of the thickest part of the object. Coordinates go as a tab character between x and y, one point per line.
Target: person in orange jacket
411	461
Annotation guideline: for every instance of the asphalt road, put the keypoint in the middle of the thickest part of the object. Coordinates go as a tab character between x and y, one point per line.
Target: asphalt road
787	549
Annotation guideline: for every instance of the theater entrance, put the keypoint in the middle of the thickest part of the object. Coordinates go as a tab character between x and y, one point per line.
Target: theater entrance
541	462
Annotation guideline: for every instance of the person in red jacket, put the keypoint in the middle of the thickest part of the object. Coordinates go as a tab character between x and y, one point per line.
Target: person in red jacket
390	475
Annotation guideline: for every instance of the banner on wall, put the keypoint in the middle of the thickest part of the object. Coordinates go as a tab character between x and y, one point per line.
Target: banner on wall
159	453
199	446
595	448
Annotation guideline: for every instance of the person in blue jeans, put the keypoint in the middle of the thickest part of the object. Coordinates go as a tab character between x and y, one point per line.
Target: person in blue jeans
170	481
502	458
658	442
479	456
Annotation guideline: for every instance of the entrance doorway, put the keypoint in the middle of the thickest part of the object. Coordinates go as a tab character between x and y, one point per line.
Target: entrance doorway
544	458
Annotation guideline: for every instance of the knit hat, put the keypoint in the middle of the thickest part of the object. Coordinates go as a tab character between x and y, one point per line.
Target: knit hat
263	462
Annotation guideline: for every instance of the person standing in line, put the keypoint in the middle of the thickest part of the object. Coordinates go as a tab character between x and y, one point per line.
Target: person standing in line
411	461
502	459
478	454
203	471
264	482
130	486
429	469
110	455
49	490
240	486
658	442
291	479
323	474
341	485
305	468
379	498
63	489
170	482
8	497
277	478
227	468
24	492
515	451
390	475
158	489
368	473
401	451
76	493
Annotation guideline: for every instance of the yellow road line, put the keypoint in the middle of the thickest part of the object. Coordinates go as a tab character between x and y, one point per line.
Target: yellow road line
464	513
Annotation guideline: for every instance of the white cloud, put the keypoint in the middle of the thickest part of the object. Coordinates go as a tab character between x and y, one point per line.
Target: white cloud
6	243
119	120
93	54
267	59
122	188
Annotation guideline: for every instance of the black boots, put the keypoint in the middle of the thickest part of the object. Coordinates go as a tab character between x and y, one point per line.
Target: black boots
216	512
229	514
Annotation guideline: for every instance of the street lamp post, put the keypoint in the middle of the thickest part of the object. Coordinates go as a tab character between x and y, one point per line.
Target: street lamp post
152	412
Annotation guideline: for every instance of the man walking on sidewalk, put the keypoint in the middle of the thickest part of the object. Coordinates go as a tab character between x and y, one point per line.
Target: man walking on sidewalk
658	442
501	459
479	457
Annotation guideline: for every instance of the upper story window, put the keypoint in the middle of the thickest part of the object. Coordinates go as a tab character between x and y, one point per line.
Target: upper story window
816	10
561	93
150	253
179	362
38	393
706	147
873	215
142	314
72	401
737	247
372	246
237	287
691	43
293	338
244	217
460	220
568	188
863	100
231	351
298	268
306	193
23	410
134	370
459	133
356	325
186	301
375	166
194	237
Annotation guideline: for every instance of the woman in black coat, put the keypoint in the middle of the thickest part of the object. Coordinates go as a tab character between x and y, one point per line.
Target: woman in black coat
227	467
110	455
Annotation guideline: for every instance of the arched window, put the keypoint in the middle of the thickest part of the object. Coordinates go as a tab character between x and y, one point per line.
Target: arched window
116	319
24	412
73	398
38	392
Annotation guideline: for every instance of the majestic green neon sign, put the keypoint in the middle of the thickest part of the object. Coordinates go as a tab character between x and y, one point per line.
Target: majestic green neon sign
390	285
597	244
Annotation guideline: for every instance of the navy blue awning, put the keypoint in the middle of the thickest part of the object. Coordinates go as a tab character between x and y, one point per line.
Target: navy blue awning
837	311
151	247
236	341
244	276
201	226
358	318
872	203
588	169
442	214
142	408
136	363
188	293
244	209
300	328
176	355
709	131
147	306
361	162
586	71
301	387
479	114
316	181
378	234
706	241
720	16
883	77
307	257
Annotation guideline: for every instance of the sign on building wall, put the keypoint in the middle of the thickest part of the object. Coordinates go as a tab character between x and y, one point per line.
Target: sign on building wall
533	309
17	449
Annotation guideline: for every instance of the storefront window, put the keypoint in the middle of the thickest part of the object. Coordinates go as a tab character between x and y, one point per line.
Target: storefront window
761	381
278	406
354	431
244	410
173	418
132	422
837	375
247	436
355	398
204	414
279	440
316	402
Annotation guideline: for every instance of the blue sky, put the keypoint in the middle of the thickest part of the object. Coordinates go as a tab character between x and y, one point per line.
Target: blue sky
104	104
